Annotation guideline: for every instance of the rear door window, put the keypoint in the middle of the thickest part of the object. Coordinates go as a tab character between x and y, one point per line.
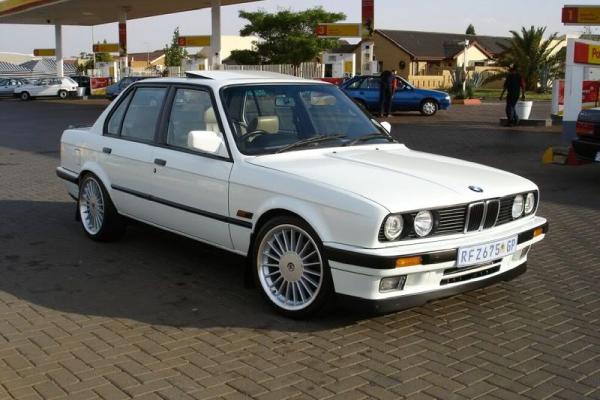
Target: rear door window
142	114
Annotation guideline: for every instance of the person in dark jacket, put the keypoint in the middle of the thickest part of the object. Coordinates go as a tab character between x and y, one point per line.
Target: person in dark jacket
386	93
512	86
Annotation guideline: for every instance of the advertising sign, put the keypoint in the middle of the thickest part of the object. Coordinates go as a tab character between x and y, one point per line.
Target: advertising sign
338	30
98	85
106	48
122	39
9	6
44	52
368	18
587	53
581	15
589	95
194	41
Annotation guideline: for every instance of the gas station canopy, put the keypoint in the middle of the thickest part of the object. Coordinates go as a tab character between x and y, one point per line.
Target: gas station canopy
94	12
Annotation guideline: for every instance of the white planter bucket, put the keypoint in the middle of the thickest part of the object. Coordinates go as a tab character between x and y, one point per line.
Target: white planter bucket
524	109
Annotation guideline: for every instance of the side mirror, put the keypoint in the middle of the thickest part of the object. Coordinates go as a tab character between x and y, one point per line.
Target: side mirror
207	142
387	126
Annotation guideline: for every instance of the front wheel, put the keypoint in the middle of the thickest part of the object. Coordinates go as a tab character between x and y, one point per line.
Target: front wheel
289	267
62	94
99	218
24	96
429	108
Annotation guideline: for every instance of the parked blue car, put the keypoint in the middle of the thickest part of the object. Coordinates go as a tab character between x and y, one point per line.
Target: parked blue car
365	90
115	89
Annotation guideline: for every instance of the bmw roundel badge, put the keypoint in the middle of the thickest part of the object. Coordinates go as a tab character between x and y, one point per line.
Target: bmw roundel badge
476	189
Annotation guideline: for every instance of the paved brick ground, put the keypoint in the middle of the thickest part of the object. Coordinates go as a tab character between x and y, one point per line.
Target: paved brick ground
156	316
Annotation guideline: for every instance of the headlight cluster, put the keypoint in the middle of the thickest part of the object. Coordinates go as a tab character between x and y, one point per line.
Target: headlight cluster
395	224
523	204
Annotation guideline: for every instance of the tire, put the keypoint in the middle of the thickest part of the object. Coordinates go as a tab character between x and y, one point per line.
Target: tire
429	107
291	271
24	96
63	94
98	216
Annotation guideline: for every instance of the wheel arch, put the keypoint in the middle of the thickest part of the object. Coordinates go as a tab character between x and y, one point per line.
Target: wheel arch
427	98
95	169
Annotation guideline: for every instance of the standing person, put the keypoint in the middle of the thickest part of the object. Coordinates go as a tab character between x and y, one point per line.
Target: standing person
394	81
385	93
512	86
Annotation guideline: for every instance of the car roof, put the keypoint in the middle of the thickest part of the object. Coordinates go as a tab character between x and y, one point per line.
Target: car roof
219	79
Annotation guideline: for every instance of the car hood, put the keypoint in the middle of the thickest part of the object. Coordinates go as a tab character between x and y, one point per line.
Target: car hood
429	92
396	177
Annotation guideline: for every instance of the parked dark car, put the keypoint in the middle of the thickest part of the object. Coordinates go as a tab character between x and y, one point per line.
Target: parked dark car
365	91
115	89
83	82
587	144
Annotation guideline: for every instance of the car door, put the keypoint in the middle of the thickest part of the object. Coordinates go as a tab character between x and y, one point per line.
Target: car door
5	87
369	91
192	186
128	151
405	97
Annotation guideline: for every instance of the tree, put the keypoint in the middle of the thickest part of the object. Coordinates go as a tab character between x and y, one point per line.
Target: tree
470	30
175	54
245	57
288	37
534	56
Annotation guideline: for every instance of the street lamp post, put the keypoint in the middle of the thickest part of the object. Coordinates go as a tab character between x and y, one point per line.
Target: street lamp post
464	84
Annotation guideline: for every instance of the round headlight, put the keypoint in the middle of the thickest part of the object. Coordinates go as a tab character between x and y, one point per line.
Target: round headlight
423	223
529	203
393	227
518	205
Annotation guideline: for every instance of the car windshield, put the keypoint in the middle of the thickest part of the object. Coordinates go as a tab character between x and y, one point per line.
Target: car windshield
272	118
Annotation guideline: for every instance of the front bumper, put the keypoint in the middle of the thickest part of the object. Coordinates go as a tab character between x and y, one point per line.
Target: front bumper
357	274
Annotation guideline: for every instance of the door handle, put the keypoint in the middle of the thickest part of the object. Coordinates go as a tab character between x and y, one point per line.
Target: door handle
160	162
107	150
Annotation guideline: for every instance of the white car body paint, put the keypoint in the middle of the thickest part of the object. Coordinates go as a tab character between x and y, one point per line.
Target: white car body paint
344	193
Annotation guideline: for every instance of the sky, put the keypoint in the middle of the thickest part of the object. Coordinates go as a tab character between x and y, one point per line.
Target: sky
490	17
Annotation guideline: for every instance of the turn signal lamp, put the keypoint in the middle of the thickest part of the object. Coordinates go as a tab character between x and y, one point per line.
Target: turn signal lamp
538	231
409	261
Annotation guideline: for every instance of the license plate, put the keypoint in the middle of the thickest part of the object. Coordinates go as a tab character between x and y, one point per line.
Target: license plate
482	253
598	157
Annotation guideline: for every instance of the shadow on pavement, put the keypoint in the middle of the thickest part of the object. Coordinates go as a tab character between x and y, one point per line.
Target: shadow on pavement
149	276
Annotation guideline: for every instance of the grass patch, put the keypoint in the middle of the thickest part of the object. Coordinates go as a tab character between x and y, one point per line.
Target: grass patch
494	94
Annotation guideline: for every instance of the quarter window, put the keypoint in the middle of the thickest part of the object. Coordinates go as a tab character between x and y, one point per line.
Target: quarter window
142	114
192	110
114	123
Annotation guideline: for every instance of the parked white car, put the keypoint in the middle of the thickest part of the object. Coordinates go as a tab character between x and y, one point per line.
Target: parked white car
8	85
293	175
47	87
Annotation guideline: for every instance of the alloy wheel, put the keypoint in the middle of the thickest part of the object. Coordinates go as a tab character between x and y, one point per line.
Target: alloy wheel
290	267
91	206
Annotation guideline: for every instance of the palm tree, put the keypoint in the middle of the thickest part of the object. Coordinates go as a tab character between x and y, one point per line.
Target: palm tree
532	54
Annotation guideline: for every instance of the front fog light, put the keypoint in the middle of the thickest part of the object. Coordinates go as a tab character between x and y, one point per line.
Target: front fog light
423	223
392	283
393	227
529	203
517	208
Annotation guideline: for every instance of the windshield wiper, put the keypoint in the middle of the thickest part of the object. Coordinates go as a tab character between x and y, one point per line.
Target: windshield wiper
309	141
371	136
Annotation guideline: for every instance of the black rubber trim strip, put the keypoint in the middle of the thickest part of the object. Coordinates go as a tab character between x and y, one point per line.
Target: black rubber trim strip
66	176
183	207
404	302
382	262
528	235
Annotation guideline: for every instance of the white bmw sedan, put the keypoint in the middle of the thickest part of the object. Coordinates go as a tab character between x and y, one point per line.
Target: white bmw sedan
293	175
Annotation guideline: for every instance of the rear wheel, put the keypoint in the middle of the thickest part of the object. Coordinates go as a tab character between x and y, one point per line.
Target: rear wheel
99	218
429	107
289	267
24	96
62	94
